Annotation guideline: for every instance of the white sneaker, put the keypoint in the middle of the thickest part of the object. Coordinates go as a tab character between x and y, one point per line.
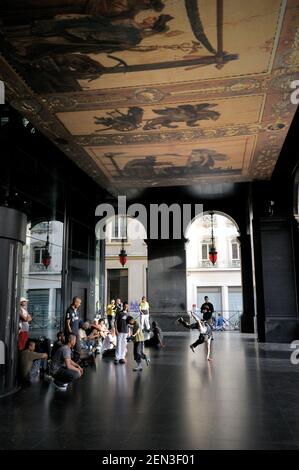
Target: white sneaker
148	361
61	388
137	368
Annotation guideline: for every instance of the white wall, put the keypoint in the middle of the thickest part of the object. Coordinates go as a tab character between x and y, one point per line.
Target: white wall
204	278
136	260
221	275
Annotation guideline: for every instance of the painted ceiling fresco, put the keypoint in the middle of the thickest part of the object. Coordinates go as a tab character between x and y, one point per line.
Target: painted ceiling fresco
143	93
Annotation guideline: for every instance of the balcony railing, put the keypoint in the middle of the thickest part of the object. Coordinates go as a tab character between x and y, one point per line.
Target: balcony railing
233	264
232	318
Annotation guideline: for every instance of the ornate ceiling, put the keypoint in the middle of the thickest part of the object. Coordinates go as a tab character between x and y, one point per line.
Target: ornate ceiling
143	93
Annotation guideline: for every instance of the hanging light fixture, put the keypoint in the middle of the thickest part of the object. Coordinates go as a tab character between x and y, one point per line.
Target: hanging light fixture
212	250
123	254
46	257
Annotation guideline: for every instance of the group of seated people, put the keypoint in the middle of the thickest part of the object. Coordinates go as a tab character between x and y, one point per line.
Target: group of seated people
63	360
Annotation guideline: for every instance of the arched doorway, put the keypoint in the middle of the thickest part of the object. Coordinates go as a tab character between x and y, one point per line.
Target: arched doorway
128	282
221	282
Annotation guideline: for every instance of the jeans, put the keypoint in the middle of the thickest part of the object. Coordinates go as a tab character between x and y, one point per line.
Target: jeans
36	366
139	351
110	321
65	376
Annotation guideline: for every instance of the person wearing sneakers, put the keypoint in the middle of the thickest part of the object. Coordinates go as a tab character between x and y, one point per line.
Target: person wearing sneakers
138	338
121	330
63	369
144	314
205	336
205	333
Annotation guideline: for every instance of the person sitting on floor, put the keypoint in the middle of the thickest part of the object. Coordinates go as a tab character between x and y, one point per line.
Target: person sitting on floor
109	343
58	343
31	362
97	326
103	330
220	323
156	340
88	343
63	368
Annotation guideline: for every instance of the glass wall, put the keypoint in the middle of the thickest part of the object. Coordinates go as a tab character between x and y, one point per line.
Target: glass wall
41	276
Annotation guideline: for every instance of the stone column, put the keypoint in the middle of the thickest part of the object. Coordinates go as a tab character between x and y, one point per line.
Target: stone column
247	318
276	284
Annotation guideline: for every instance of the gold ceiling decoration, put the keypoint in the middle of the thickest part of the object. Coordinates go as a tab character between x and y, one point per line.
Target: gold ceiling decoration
155	93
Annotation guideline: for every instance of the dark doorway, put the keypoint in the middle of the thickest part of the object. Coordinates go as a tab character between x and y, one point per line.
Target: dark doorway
117	284
79	290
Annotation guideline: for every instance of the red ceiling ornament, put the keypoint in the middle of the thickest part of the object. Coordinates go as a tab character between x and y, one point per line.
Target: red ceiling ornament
46	257
212	251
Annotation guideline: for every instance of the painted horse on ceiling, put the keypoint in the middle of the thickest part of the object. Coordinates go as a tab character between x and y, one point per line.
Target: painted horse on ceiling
187	113
120	121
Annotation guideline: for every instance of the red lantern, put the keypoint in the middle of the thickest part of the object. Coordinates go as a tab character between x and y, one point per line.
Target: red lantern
123	257
212	250
213	255
46	257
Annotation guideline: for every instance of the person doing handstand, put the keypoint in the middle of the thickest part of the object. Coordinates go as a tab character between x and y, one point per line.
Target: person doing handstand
205	333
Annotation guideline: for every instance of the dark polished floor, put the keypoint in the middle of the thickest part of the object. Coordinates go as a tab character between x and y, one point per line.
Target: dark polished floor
246	399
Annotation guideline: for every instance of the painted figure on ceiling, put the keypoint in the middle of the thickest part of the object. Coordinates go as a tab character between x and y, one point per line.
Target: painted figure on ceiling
188	113
122	8
61	72
200	161
85	34
205	159
119	121
29	10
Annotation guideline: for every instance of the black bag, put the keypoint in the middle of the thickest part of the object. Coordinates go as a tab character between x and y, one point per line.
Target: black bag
43	345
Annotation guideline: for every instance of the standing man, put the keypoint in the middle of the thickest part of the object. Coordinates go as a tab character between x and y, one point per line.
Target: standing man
121	329
207	309
144	314
25	318
118	306
72	321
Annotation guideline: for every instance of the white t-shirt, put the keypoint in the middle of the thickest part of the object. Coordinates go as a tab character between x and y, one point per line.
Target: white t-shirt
24	325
